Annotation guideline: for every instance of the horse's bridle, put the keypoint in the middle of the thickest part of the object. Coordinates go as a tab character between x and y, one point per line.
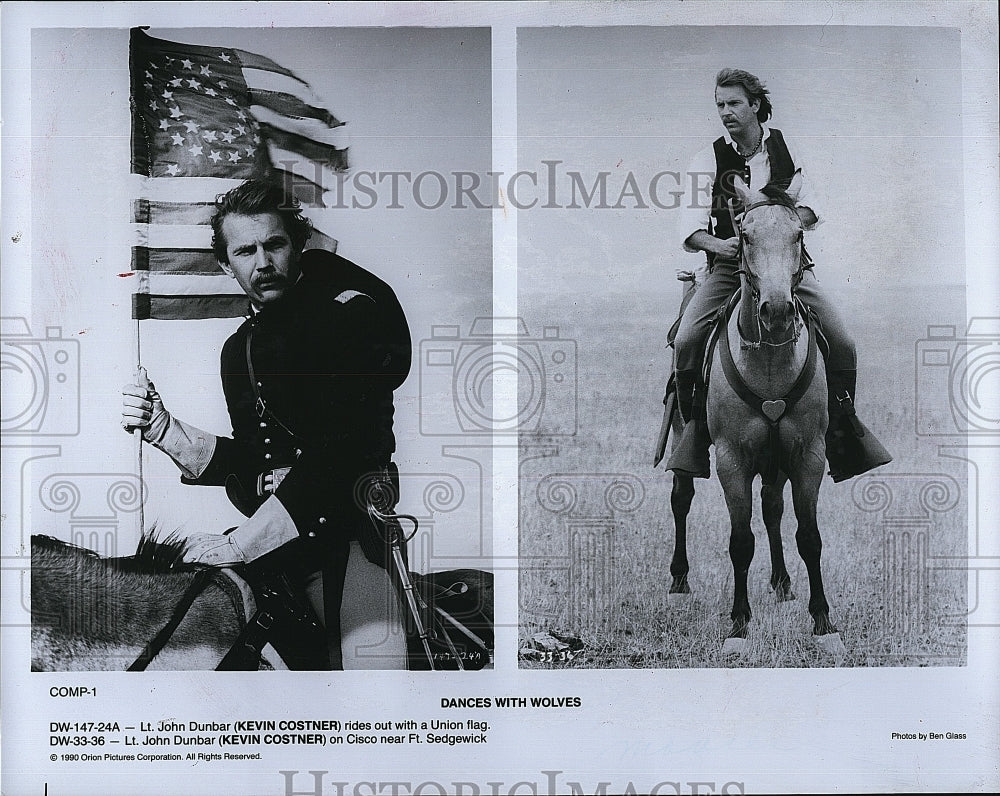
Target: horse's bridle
805	262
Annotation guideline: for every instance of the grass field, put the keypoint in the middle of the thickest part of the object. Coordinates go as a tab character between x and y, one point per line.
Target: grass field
595	557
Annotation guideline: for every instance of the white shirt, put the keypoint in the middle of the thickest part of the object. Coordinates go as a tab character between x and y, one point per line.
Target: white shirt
697	208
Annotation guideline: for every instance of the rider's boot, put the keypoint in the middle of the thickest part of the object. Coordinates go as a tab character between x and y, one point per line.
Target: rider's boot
851	448
690	455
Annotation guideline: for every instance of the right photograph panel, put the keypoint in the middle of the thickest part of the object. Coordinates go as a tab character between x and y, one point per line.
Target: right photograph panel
752	383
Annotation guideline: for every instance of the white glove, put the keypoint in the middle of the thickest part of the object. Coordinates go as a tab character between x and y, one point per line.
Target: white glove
142	408
269	528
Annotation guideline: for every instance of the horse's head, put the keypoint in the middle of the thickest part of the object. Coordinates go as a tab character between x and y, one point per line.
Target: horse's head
771	254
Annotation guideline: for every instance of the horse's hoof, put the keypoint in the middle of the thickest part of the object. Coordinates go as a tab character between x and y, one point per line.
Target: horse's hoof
734	646
831	644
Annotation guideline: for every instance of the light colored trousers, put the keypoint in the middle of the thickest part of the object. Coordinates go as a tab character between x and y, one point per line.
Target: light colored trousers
372	633
721	283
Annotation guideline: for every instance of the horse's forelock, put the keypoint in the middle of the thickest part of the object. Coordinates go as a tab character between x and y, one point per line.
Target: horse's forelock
775	193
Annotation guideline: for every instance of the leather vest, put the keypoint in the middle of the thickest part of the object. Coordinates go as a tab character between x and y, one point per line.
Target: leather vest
729	164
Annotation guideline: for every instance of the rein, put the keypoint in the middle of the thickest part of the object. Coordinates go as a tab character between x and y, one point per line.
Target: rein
201	580
805	262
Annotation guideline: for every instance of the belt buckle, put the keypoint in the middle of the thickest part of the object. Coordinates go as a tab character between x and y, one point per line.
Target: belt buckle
277	476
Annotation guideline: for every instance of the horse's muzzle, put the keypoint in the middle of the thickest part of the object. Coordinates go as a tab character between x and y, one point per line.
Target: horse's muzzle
777	317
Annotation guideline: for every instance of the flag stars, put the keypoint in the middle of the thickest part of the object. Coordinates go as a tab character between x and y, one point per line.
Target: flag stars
167	95
176	82
230	101
175	112
186	64
241	130
164	124
154	105
149	74
215	156
192	127
148	85
193	83
225	57
223	85
209	135
211	92
173	170
206	71
234	157
227	136
195	150
177	138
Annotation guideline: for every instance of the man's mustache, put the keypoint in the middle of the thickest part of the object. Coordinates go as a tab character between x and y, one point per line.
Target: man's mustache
269	280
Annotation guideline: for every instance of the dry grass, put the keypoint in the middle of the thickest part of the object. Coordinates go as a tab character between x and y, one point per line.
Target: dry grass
890	611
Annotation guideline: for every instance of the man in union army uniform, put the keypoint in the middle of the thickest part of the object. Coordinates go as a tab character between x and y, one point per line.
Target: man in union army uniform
309	380
759	155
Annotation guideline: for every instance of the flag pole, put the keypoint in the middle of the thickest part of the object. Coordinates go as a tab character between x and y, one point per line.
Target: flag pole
137	434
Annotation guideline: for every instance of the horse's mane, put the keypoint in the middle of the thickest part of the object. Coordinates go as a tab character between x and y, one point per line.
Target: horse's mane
154	554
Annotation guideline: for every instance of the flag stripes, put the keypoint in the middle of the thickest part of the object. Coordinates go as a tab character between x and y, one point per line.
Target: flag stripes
203	120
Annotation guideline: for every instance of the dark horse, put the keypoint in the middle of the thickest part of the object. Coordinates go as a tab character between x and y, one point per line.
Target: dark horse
150	610
767	414
97	614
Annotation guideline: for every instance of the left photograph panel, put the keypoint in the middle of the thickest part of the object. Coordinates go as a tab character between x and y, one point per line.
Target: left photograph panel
232	434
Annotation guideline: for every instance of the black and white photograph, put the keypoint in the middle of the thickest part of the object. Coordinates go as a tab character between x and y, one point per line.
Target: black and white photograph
635	542
230	150
498	399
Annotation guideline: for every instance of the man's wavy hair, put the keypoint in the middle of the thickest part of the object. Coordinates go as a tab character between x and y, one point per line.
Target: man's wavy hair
751	84
252	198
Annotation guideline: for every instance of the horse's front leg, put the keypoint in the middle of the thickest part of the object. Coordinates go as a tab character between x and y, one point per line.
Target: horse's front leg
681	496
737	478
772	507
805	489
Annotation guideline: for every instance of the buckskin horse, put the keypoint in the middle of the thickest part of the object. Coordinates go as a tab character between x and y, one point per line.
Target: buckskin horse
767	413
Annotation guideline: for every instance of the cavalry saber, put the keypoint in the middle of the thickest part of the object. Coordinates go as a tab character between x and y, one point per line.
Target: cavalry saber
391	522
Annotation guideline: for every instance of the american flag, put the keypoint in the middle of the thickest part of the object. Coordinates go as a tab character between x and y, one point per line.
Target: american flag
203	120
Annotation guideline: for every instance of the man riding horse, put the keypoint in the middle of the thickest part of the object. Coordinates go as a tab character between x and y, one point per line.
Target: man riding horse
309	380
758	155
